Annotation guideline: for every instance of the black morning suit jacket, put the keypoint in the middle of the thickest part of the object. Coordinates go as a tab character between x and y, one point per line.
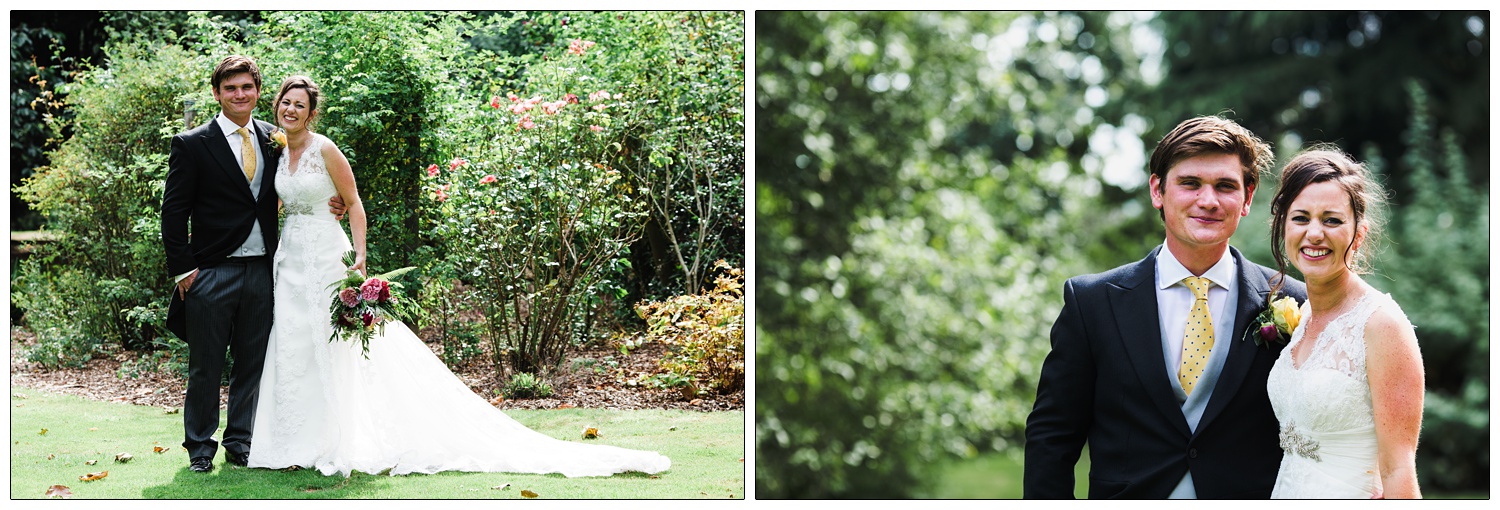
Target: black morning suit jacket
1106	383
206	187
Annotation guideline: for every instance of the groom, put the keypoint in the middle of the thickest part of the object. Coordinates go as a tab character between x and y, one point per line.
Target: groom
221	182
1149	363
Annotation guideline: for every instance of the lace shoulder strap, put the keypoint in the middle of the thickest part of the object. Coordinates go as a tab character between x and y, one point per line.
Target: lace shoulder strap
1346	350
314	154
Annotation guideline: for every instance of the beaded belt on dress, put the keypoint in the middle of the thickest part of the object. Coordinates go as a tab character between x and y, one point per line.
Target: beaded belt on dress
1293	441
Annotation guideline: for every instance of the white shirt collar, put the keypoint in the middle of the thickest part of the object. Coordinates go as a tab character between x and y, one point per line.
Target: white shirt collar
229	127
1170	271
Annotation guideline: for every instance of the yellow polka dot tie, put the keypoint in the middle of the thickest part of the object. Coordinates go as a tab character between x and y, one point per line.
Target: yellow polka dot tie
1198	338
247	154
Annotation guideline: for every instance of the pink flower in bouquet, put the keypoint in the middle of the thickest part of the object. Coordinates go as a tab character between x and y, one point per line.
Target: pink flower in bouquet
488	179
350	297
596	129
375	290
432	170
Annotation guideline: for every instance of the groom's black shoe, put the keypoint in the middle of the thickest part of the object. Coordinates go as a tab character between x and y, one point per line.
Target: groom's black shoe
202	464
238	459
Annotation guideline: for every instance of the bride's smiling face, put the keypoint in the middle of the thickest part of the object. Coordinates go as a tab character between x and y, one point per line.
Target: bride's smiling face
1320	231
292	111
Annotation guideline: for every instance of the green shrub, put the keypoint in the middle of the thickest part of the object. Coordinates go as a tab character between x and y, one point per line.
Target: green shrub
524	385
102	283
705	333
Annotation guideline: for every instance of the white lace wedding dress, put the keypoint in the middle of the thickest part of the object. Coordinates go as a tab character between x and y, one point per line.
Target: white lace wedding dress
323	405
1323	404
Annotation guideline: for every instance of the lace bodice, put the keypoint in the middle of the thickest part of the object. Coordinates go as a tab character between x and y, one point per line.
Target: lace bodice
306	189
1324	406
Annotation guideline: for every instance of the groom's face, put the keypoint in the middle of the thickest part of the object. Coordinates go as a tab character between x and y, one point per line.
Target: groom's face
237	96
1202	200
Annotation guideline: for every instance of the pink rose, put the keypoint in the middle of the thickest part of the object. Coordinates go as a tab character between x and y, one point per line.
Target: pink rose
457	162
599	95
432	170
373	289
512	97
571	98
526	122
596	129
495	102
349	297
488	179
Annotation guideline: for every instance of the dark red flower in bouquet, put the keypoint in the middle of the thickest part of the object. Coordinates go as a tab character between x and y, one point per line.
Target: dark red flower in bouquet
368	317
346	321
350	297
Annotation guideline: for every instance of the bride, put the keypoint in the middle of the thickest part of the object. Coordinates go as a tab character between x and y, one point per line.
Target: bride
1348	388
323	405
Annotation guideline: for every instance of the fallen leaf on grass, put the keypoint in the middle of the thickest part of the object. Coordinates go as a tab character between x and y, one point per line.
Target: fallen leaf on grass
94	476
22	396
90	462
653	477
170	410
591	433
528	494
42	433
59	491
742	459
162	450
51	455
566	406
123	457
672	428
93	429
23	404
505	487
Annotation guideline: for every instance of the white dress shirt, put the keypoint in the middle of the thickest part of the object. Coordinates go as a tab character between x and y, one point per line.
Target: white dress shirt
1174	302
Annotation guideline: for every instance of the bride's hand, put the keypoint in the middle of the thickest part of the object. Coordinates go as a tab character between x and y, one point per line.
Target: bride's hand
359	265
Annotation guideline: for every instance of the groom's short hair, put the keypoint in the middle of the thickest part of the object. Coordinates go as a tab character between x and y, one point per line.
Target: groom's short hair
1211	134
235	64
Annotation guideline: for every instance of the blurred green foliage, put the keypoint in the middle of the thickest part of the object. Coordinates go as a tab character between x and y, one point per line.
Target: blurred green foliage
926	181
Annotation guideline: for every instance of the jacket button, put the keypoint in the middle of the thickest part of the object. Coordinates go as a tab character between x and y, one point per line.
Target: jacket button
1192	453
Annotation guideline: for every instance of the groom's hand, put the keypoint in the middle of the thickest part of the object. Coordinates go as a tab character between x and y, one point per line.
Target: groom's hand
185	284
337	207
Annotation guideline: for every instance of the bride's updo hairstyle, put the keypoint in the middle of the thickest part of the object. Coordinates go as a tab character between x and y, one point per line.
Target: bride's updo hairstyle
1324	163
298	81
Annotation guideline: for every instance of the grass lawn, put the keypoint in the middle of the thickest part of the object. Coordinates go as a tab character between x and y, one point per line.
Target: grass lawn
706	451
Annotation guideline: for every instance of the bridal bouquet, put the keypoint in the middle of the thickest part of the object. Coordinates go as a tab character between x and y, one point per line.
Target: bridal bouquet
361	306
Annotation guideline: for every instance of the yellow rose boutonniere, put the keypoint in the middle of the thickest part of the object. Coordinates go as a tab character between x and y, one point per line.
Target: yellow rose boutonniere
1276	322
278	139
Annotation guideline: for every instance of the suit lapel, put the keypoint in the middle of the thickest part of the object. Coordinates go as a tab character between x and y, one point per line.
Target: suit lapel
217	144
269	157
1252	299
1133	299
